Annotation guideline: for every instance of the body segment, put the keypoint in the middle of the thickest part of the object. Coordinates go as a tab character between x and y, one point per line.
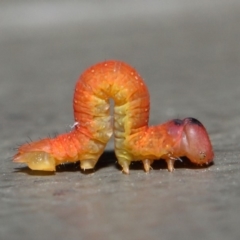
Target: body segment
134	139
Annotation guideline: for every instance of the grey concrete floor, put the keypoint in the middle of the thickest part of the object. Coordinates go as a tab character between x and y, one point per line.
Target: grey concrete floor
189	55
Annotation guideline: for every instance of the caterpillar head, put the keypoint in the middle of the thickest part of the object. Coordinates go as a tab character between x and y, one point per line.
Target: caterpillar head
193	141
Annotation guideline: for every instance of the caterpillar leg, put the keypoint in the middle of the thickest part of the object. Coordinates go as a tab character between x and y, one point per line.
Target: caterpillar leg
170	164
88	164
124	163
147	165
38	160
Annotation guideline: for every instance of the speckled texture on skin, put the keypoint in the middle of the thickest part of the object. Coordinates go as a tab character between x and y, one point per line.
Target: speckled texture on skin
191	50
134	139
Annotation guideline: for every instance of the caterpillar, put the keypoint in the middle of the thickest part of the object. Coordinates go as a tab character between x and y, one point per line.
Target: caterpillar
134	140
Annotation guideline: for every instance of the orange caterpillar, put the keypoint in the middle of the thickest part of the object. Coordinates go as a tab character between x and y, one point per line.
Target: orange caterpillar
134	139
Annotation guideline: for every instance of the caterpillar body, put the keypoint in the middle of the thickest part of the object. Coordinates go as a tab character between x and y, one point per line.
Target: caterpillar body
134	139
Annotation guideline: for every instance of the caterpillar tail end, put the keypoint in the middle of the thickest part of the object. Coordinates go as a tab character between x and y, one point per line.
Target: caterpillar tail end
38	160
36	155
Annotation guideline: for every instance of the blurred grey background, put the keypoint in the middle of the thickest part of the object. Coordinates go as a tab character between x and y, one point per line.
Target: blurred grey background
187	51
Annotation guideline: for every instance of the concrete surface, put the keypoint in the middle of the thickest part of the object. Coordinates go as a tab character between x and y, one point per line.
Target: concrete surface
189	54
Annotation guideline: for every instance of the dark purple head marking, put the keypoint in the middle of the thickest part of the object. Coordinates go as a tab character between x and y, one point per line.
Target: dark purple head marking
193	121
178	122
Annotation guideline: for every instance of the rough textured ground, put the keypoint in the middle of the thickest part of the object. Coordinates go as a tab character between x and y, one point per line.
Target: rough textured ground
189	55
